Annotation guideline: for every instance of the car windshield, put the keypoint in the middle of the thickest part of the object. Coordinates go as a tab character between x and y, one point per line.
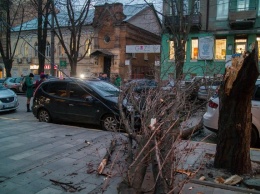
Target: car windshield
104	89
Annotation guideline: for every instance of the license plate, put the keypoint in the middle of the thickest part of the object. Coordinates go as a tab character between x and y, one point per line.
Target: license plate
8	105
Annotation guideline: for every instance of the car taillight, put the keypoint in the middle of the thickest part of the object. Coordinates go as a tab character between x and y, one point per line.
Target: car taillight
213	104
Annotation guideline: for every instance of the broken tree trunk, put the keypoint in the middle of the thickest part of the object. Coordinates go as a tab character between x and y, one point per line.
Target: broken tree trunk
234	125
106	157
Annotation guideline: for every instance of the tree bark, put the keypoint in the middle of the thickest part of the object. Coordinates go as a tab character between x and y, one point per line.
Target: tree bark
233	146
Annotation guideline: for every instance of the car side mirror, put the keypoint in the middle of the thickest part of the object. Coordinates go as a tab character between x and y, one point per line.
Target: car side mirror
89	99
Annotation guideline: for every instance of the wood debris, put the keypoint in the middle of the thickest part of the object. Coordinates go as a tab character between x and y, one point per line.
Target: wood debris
106	157
187	172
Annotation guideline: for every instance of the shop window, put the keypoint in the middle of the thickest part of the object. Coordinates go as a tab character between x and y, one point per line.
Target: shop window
258	41
222	9
240	45
194	49
171	51
220	49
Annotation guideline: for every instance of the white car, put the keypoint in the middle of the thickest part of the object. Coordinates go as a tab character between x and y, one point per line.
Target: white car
210	118
8	99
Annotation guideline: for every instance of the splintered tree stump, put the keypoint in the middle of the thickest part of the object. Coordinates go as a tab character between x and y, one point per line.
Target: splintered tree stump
235	120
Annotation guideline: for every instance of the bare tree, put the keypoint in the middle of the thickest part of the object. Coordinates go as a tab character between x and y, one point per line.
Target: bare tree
8	18
43	12
71	20
235	121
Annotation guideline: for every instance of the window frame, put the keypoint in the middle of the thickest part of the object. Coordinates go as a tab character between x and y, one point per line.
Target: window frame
222	9
215	48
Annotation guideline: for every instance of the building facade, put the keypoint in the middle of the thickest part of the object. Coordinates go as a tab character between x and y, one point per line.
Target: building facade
110	28
219	28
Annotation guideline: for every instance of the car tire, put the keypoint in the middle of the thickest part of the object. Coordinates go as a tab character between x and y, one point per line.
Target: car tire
44	116
254	137
109	122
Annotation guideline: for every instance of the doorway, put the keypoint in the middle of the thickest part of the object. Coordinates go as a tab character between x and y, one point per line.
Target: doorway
107	65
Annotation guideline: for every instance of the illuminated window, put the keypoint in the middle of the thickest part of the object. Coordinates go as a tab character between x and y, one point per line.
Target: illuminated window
240	45
222	9
171	49
194	49
258	41
220	49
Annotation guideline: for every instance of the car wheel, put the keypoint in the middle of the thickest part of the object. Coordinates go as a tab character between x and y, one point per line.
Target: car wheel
109	123
44	116
254	137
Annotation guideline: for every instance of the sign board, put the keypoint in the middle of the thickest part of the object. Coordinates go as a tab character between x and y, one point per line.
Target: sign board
48	66
63	64
143	48
206	47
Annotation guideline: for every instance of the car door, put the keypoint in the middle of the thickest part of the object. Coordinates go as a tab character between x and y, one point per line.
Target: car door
56	100
82	106
256	108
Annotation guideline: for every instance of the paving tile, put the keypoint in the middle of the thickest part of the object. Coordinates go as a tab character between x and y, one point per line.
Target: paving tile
50	190
8	187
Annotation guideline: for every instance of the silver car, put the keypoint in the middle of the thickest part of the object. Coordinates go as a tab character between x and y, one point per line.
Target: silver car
13	83
8	99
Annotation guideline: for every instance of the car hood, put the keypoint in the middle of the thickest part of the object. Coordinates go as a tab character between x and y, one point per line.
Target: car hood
6	93
112	99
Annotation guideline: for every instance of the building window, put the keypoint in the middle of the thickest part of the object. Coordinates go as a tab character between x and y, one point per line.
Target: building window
197	6
258	41
26	50
171	51
146	56
88	47
194	49
61	50
220	49
242	5
36	49
240	45
174	9
48	50
259	7
222	9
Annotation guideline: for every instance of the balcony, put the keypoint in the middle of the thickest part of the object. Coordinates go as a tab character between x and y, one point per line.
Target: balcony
240	20
173	22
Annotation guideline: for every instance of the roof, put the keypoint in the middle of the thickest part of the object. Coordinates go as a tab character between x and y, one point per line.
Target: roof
129	11
101	52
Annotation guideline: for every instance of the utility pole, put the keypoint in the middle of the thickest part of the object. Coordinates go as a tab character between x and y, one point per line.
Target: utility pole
52	39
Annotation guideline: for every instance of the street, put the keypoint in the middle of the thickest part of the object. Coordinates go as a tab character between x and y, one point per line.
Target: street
33	153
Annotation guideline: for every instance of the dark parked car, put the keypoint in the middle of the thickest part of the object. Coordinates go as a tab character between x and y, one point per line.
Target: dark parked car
89	101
